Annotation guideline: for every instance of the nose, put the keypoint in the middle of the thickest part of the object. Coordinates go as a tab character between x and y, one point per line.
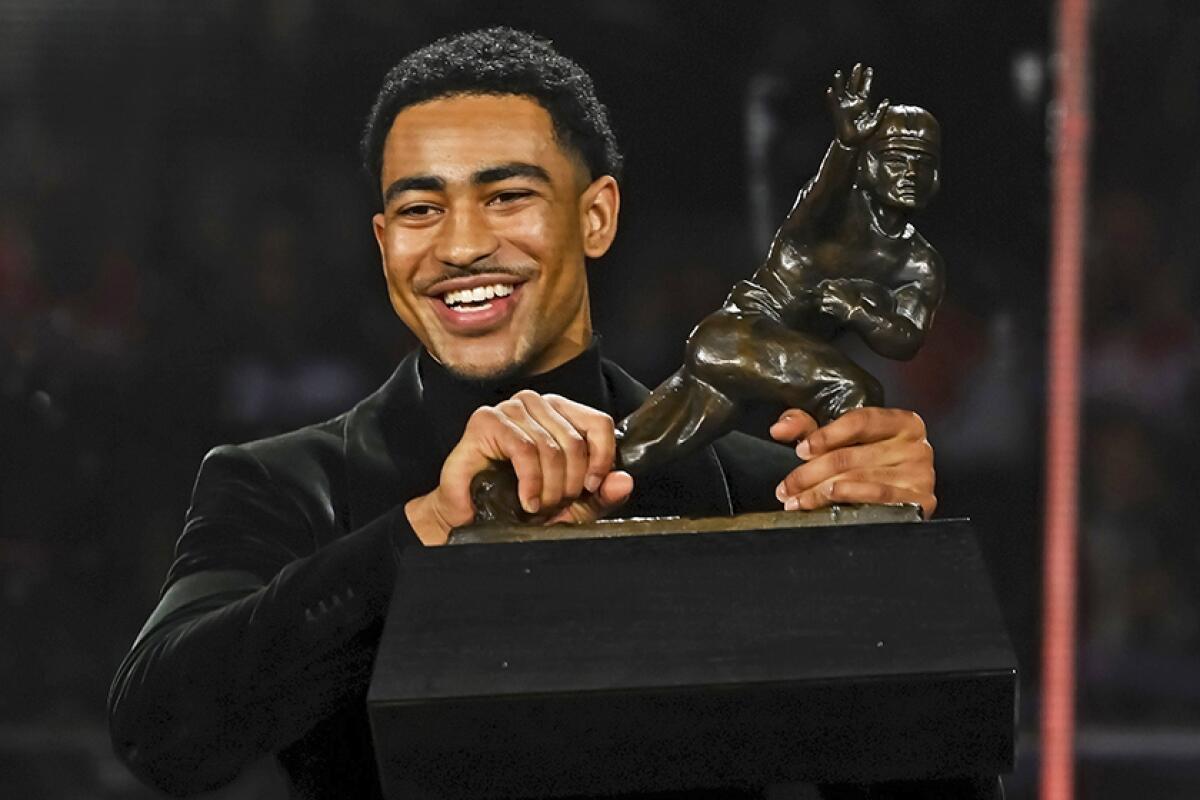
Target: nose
465	237
910	168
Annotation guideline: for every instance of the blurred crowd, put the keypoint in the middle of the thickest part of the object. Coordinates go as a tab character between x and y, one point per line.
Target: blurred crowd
186	260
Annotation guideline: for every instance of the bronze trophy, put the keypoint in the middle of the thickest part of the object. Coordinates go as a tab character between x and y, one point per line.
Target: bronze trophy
847	258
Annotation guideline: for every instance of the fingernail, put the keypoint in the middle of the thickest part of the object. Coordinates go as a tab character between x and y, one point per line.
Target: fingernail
780	494
532	505
803	450
827	490
791	504
592	483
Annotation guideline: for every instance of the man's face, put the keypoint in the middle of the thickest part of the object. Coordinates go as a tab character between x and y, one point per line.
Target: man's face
903	177
484	232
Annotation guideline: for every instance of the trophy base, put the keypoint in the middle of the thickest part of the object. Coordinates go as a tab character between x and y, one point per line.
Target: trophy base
857	514
844	654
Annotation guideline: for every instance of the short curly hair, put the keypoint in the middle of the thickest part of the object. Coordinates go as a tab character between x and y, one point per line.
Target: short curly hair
498	61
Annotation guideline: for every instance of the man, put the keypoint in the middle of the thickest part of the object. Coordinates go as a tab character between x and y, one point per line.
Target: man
498	175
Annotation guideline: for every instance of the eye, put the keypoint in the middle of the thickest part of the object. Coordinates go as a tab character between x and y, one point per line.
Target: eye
509	196
417	211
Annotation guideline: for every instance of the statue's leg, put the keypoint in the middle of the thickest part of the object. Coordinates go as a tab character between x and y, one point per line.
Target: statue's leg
763	359
682	415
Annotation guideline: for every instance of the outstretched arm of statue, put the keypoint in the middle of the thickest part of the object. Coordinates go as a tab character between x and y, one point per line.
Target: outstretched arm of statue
822	198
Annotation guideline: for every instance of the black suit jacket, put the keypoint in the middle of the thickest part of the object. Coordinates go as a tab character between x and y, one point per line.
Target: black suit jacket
270	617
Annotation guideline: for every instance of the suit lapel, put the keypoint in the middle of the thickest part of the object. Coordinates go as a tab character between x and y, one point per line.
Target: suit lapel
388	446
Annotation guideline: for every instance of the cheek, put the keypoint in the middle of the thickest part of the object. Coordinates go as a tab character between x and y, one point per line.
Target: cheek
401	257
398	270
534	234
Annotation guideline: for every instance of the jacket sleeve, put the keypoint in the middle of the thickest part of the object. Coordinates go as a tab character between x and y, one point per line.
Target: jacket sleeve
753	468
259	633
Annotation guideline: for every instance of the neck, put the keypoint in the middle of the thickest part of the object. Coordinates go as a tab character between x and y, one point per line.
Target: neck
892	221
573	341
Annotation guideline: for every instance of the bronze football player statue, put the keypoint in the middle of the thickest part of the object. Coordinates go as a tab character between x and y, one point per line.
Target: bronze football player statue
846	258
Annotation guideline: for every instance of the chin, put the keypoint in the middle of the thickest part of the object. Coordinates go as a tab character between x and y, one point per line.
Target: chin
483	372
483	365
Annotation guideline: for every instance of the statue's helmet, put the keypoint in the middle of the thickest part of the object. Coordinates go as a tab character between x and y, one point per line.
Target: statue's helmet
908	127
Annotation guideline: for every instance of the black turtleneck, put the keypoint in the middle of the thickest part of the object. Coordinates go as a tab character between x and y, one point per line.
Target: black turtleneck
450	400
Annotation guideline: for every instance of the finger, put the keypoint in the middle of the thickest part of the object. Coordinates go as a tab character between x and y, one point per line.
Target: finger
868	76
792	426
863	426
855	85
491	436
853	491
613	492
880	110
839	84
598	430
551	460
913	460
570	441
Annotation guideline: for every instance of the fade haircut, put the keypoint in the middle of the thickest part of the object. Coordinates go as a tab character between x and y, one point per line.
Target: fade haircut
498	61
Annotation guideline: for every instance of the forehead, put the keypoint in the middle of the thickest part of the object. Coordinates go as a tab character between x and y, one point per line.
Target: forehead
454	137
904	147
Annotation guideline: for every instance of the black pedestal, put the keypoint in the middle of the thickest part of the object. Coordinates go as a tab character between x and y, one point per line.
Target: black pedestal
846	654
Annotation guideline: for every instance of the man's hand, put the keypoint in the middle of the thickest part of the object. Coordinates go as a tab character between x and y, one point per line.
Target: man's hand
562	452
850	104
868	455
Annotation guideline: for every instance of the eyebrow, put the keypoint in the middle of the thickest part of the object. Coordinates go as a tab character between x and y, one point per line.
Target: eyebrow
515	169
432	183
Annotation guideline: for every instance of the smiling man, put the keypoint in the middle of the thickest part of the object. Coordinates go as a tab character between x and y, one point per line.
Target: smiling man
498	174
486	224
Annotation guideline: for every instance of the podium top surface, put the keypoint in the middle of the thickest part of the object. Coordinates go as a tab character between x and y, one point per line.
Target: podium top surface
706	609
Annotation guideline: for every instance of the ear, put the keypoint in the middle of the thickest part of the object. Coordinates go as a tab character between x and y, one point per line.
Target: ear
379	224
599	207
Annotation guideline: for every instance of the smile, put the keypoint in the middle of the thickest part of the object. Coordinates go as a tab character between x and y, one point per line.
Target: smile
476	310
476	299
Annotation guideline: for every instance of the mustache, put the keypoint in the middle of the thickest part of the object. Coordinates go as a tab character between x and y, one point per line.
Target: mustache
521	272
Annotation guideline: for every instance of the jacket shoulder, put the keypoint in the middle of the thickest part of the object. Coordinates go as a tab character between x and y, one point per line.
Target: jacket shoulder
307	464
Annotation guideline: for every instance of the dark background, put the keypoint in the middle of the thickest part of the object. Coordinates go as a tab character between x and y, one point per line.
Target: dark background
186	260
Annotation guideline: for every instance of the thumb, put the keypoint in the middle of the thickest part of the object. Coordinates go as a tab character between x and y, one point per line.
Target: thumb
877	117
613	492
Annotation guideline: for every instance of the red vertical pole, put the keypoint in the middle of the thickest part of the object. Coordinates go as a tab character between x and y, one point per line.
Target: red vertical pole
1063	403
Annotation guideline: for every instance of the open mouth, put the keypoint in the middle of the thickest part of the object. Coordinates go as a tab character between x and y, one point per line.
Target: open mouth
479	298
479	309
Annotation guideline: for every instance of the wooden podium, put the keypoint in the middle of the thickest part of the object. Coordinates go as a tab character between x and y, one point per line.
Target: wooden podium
682	662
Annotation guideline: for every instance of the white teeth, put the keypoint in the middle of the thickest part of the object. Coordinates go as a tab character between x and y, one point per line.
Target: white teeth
479	294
